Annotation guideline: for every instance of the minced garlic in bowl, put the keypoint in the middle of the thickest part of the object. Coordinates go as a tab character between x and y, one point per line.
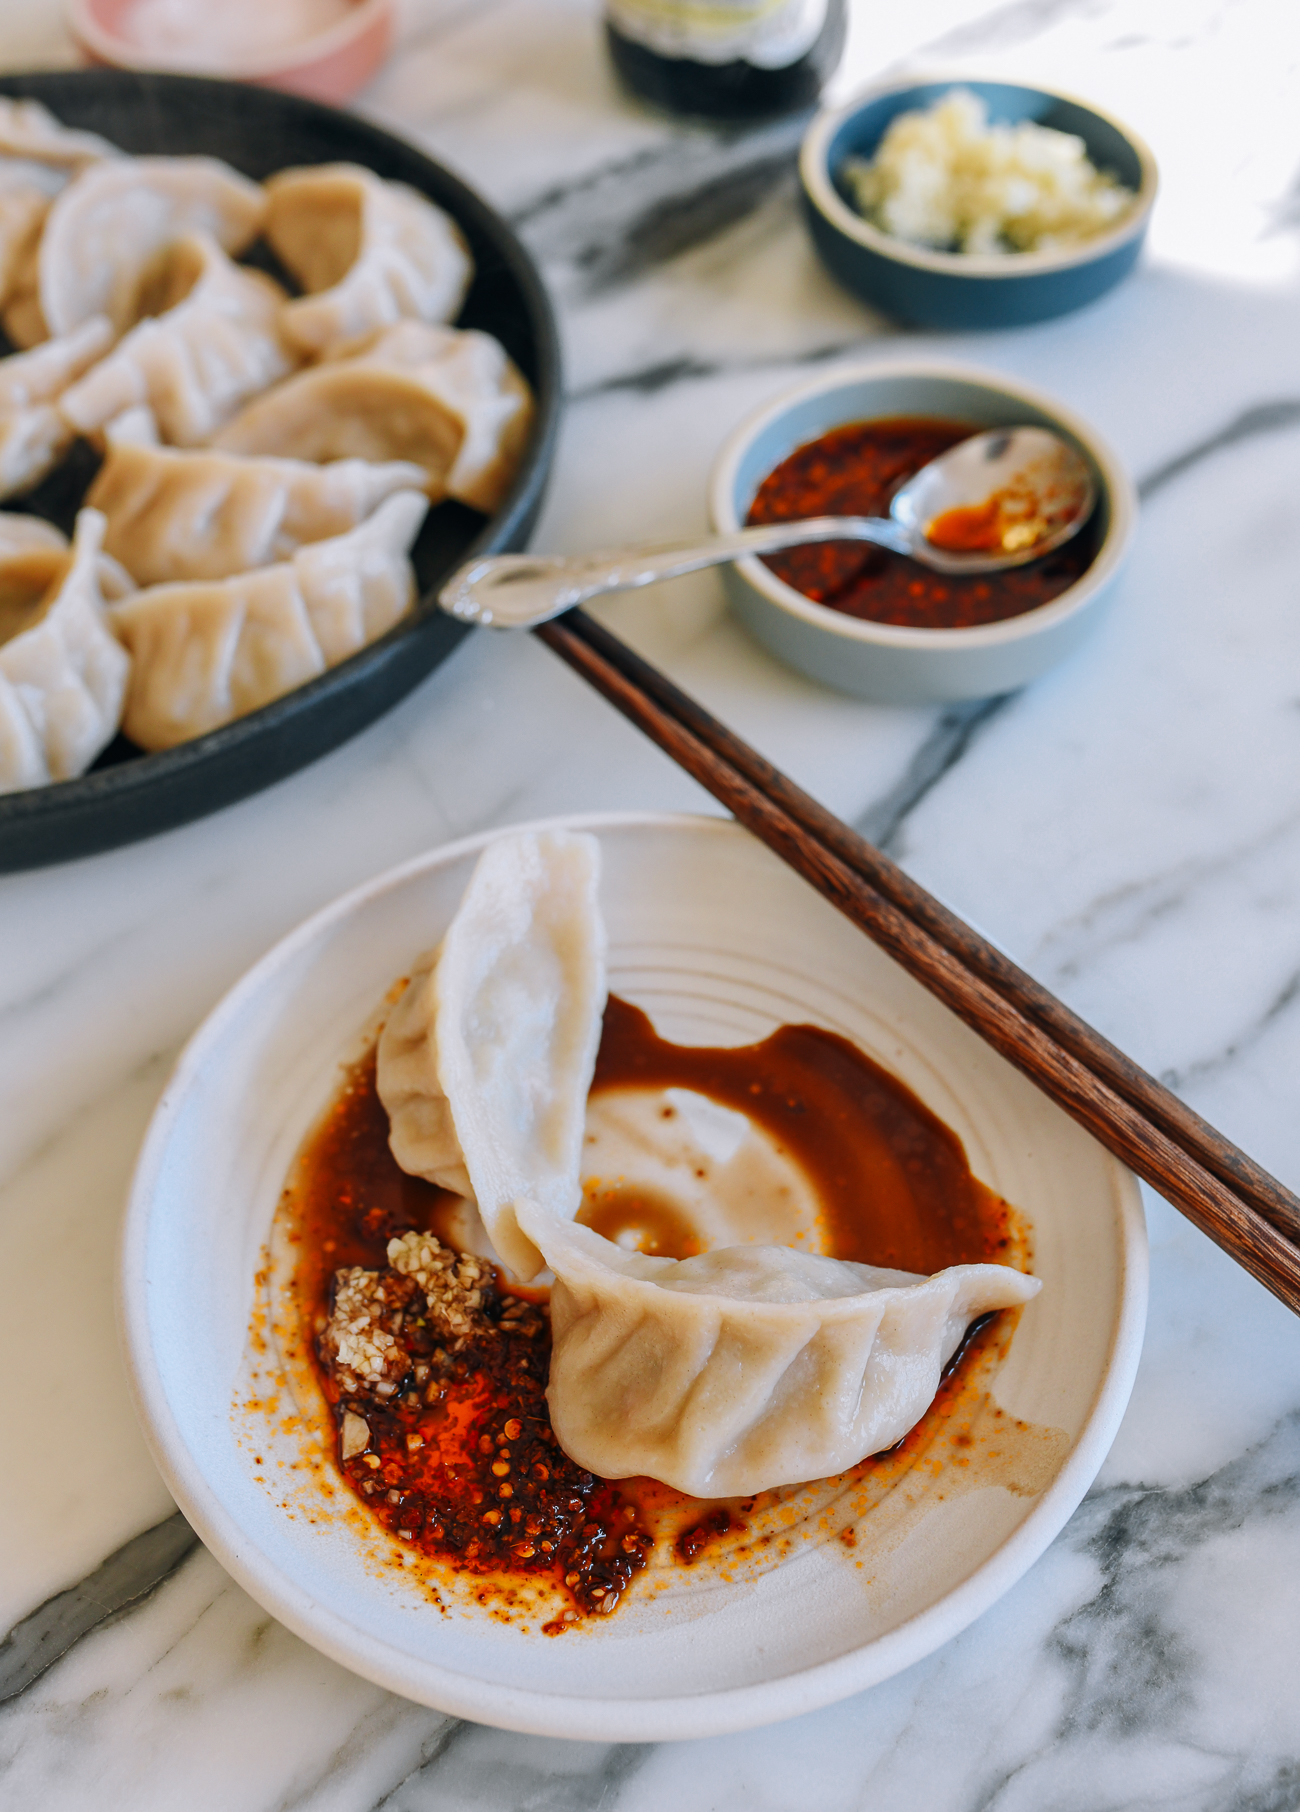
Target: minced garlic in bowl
944	177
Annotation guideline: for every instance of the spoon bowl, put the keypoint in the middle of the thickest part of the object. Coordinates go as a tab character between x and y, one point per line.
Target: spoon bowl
998	499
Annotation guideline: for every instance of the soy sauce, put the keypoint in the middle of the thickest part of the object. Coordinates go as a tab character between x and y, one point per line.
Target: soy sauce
671	66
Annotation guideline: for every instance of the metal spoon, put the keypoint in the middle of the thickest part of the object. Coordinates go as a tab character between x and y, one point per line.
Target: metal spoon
1000	499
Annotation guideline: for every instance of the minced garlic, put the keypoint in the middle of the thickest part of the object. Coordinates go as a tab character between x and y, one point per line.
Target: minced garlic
944	177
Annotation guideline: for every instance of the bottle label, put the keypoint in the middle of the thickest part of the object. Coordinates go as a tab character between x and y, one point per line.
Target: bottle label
770	34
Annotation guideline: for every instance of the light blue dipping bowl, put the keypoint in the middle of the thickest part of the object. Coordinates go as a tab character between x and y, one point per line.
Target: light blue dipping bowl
960	290
887	662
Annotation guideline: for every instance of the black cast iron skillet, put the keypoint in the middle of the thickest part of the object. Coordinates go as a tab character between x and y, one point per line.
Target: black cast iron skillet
129	794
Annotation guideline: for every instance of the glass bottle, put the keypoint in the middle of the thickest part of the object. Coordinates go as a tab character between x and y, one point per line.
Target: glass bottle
726	59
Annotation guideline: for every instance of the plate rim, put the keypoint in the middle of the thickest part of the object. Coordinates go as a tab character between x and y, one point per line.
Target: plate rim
528	1712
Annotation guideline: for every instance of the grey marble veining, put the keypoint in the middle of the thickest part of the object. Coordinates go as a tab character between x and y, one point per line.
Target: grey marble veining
1129	829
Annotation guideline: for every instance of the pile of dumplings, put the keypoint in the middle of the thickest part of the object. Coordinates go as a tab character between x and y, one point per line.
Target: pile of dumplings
268	460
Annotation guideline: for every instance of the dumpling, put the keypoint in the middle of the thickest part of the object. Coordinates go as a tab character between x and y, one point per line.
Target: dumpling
475	379
23	207
209	341
34	435
368	253
356	586
486	1060
44	372
29	130
450	401
746	1367
38	156
208	515
19	534
21	315
62	673
204	653
112	220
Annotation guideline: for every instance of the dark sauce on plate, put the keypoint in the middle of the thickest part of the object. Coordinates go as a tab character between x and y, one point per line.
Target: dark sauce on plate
855	471
466	1469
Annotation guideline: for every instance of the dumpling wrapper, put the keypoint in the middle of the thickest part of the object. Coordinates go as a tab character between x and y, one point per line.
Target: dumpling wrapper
450	401
205	514
209	341
204	653
20	534
486	1060
113	220
368	252
30	131
38	156
34	435
747	1367
23	207
63	674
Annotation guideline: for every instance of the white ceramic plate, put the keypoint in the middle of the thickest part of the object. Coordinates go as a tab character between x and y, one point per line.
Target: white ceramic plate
719	943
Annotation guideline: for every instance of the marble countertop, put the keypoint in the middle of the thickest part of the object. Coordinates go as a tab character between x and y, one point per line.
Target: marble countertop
1129	828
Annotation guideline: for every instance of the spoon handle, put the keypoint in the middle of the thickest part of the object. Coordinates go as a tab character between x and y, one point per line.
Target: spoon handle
518	591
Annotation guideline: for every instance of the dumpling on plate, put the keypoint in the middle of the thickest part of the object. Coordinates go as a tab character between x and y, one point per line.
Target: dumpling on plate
20	313
206	652
368	252
111	222
29	130
486	1060
451	401
19	534
34	436
63	673
38	157
746	1367
23	207
204	514
209	340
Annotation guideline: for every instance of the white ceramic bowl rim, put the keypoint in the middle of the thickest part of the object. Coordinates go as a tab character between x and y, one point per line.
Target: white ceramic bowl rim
814	169
461	1694
125	54
1120	496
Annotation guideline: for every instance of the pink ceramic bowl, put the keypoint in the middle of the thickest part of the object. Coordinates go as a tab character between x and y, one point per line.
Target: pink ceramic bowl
329	64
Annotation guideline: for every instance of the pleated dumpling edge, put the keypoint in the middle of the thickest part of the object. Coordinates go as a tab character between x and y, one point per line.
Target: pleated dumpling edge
486	1060
746	1367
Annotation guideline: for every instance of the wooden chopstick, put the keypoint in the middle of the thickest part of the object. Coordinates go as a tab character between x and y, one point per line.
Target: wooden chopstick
1218	1187
1185	1127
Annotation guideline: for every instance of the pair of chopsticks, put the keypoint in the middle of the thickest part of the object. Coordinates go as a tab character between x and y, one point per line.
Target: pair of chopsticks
1221	1190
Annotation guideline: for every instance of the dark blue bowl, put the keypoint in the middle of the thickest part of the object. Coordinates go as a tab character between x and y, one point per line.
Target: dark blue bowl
960	289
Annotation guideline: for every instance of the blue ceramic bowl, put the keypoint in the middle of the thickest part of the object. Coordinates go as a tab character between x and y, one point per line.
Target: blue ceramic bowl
959	289
887	662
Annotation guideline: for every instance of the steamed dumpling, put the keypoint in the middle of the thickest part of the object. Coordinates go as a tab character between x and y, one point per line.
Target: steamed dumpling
206	652
746	1367
19	534
34	435
368	253
112	221
38	156
62	672
23	207
29	130
450	401
209	341
485	1063
208	515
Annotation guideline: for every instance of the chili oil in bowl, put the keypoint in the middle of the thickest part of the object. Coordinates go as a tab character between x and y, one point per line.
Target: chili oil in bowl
963	290
878	624
729	1614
